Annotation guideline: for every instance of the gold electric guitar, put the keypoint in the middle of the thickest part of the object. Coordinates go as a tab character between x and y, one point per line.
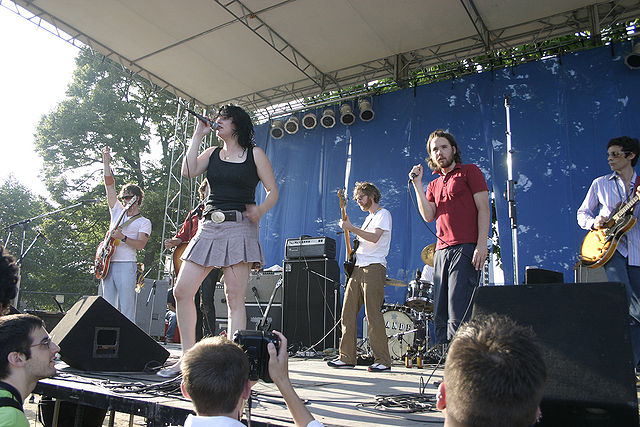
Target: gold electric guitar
599	245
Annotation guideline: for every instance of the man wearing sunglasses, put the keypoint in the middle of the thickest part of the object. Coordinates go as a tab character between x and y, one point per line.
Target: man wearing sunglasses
118	286
27	355
605	193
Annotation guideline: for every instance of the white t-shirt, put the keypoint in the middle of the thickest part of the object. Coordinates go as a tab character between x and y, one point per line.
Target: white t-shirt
196	421
123	251
375	253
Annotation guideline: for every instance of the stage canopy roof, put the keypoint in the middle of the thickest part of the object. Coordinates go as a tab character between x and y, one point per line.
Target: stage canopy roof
261	53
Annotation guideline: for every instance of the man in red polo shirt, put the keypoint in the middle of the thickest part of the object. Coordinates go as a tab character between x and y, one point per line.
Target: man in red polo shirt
459	202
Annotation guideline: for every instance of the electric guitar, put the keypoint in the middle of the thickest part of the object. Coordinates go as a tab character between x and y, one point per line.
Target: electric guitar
108	246
599	245
177	253
350	253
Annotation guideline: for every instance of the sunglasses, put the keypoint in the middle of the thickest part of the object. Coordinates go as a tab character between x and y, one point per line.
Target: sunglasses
127	197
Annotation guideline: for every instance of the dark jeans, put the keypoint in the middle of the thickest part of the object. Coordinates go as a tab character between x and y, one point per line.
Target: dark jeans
454	280
618	270
207	308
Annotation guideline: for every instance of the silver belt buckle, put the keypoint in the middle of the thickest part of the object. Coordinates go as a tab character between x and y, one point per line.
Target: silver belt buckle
217	217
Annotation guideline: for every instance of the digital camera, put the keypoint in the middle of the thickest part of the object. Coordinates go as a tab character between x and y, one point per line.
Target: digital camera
254	344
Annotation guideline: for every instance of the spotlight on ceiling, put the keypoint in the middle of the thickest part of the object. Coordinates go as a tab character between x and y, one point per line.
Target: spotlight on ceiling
633	59
277	129
328	119
366	112
346	115
292	125
309	121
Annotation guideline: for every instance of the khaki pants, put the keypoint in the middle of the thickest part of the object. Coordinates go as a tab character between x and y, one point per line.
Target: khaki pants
366	286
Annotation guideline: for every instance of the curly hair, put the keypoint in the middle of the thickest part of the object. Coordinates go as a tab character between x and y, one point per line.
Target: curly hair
244	127
9	277
367	189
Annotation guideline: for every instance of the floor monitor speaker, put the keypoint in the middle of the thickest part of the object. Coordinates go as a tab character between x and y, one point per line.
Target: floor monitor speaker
311	302
94	336
585	335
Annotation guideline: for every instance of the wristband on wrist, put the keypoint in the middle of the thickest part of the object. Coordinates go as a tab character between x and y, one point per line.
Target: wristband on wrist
125	239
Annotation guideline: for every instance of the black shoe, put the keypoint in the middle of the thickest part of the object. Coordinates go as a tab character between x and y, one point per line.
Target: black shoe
378	367
337	363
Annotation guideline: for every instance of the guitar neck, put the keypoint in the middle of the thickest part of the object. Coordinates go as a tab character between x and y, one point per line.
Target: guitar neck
625	208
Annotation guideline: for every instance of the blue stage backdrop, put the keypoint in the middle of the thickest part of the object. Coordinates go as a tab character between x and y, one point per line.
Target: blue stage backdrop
563	112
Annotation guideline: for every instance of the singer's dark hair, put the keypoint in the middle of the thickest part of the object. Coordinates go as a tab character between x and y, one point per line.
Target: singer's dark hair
629	145
244	127
9	276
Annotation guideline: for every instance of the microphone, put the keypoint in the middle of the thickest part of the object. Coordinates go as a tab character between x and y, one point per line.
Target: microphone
90	201
211	123
413	175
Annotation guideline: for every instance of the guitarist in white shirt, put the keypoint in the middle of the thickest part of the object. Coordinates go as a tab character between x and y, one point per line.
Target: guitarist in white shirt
118	286
605	193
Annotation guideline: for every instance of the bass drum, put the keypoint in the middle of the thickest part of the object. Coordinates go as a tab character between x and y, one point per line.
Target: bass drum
401	330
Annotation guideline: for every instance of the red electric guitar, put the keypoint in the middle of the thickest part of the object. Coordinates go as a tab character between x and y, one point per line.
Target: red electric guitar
108	245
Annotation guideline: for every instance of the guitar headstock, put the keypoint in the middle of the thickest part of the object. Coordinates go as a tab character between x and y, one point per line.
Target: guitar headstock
131	202
343	198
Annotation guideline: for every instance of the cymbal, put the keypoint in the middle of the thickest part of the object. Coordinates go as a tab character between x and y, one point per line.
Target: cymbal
427	254
394	282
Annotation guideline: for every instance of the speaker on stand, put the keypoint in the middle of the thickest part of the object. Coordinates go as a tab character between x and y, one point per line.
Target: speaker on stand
311	302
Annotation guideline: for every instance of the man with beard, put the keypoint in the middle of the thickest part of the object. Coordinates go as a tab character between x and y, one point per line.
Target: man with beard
26	355
366	284
459	202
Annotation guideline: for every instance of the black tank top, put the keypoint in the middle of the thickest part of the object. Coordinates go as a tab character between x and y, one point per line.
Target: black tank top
233	185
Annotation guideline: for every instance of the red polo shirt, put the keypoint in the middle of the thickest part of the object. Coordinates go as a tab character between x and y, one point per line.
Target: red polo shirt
456	212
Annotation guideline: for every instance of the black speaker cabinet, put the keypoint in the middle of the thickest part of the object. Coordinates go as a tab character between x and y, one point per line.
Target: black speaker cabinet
311	302
585	335
95	336
254	316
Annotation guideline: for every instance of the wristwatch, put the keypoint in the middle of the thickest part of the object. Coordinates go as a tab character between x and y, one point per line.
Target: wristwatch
125	239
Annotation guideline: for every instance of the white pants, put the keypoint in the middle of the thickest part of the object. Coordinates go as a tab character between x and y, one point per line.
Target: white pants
119	287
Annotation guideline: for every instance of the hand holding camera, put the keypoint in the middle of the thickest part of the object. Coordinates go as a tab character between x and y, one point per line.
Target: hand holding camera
255	345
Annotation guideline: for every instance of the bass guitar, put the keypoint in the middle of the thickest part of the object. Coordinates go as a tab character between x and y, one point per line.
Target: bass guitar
599	245
108	246
350	253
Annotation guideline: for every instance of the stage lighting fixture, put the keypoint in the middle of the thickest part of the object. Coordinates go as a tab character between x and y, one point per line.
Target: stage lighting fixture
292	125
633	59
277	129
346	115
309	121
328	119
366	112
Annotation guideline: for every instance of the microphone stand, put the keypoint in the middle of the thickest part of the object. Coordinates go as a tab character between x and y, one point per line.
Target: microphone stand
24	223
336	286
263	322
511	193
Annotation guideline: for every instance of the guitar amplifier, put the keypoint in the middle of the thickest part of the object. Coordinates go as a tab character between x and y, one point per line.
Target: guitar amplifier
310	247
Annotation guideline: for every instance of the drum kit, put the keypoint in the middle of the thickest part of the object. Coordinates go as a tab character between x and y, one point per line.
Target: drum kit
407	324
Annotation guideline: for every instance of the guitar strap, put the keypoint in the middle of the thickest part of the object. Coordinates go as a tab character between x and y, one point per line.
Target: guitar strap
129	221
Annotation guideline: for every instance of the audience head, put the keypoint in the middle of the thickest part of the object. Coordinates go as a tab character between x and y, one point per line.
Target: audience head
494	375
24	343
215	375
9	279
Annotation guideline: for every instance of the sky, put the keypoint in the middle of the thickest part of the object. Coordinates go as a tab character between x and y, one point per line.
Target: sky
36	70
